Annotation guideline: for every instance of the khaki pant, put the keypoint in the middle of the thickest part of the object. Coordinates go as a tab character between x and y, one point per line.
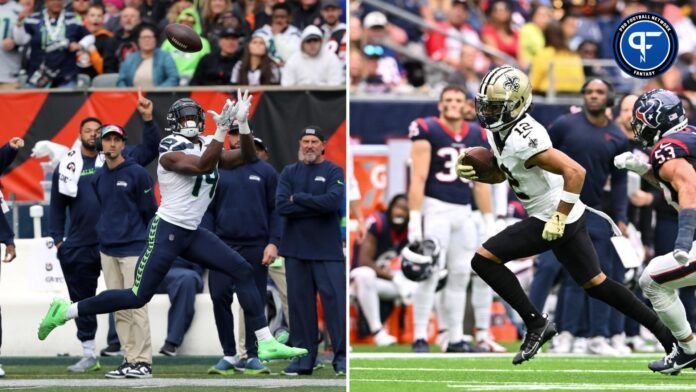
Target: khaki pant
132	325
278	277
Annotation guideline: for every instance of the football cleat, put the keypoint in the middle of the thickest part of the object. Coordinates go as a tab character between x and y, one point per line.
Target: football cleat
674	362
382	338
462	347
272	349
54	317
420	346
534	339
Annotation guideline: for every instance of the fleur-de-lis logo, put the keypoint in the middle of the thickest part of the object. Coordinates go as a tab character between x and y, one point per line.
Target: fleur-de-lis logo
511	83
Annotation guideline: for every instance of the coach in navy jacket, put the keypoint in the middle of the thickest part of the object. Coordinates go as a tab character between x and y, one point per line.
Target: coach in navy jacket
309	197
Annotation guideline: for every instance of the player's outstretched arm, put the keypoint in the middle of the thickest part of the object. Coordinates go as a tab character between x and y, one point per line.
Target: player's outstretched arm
629	161
573	174
420	165
366	256
682	177
247	152
192	165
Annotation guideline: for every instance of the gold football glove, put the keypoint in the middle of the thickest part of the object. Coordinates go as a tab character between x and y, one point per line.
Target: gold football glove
553	229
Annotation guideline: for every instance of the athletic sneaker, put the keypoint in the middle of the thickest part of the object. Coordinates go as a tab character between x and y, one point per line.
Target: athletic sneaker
168	349
534	339
579	346
2	372
112	350
119	372
462	347
225	368
420	346
637	343
674	362
85	364
318	364
139	370
619	343
487	344
54	317
382	338
599	345
271	349
562	343
254	366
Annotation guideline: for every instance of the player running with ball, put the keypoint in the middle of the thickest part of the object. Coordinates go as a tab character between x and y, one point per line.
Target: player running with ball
187	173
548	183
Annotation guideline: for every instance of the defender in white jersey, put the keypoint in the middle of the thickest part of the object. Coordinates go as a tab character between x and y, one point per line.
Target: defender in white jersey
548	183
187	172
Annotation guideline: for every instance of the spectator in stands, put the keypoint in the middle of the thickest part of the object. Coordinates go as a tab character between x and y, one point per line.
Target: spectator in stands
255	236
182	282
498	32
126	203
53	37
286	37
112	17
256	67
7	154
173	13
448	48
153	11
263	11
216	68
10	58
126	39
403	31
556	66
689	76
80	7
306	13
466	75
569	28
100	55
334	30
314	64
211	18
375	278
149	66
311	209
532	35
375	34
381	68
186	62
589	50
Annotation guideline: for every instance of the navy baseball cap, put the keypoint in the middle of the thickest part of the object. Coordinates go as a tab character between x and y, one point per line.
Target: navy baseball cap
259	142
111	128
313	130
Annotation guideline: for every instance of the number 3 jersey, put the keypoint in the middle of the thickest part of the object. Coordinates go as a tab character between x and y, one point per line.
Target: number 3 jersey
539	190
185	198
681	144
442	182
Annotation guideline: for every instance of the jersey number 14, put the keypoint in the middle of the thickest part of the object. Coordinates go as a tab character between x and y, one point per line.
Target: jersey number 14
210	178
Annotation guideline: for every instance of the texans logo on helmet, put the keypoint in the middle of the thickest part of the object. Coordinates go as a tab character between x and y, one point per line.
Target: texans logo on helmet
649	113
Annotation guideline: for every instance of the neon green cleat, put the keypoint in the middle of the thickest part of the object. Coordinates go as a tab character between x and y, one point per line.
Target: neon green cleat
272	349
54	317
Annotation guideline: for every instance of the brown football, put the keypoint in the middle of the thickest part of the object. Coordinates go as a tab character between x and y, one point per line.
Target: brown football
183	38
482	160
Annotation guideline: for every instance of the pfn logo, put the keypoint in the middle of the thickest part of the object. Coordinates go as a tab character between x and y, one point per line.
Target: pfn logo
645	45
642	46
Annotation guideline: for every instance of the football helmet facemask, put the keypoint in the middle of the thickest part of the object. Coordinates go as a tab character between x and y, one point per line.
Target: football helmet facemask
504	96
419	258
656	114
186	118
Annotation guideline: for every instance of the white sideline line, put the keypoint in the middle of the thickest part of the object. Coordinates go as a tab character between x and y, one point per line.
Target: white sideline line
514	370
534	386
488	355
174	382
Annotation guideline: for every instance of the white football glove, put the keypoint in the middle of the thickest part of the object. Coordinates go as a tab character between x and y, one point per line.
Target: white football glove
53	151
243	106
223	121
629	161
415	226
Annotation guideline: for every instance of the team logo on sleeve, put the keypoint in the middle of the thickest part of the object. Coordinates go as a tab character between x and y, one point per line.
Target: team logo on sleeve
645	45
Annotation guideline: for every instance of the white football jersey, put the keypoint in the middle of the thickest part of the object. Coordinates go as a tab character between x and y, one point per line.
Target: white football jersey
184	198
539	191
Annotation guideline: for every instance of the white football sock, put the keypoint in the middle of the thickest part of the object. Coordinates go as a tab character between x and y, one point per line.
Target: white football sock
263	334
368	298
668	306
690	346
88	348
481	300
72	311
455	302
231	360
423	299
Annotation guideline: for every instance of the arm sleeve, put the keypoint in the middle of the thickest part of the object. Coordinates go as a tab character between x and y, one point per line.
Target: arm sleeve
619	192
56	219
275	223
147	151
283	205
7	155
331	201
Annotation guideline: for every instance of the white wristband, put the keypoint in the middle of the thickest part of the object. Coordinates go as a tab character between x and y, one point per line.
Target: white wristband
570	198
415	216
220	134
244	128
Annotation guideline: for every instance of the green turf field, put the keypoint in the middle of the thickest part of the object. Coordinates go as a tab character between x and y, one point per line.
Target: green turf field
181	374
371	370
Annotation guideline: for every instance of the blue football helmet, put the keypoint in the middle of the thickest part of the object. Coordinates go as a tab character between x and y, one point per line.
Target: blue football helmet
656	114
186	118
419	258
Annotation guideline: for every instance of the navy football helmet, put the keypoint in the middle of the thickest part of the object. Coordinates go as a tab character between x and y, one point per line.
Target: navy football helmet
656	114
418	259
186	118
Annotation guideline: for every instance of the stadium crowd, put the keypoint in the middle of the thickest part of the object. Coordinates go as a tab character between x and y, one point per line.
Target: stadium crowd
548	39
67	43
